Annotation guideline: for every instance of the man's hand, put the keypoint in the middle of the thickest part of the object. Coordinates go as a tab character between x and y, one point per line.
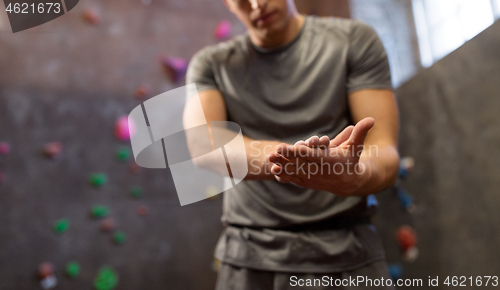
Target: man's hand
320	163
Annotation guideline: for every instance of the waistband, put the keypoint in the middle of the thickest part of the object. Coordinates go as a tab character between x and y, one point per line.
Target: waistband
328	224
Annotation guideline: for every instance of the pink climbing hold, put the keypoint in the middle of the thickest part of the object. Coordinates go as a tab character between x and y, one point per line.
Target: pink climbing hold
4	148
223	30
124	128
174	67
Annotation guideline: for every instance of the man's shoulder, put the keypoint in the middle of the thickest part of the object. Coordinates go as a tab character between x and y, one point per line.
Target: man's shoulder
222	49
336	25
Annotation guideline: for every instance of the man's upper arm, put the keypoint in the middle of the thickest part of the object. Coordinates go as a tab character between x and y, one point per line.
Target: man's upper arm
368	65
201	73
369	85
212	104
380	105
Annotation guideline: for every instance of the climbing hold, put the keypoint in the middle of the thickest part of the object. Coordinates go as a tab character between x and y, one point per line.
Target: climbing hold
123	154
48	282
134	168
403	173
395	271
215	265
406	166
175	68
407	163
45	270
142	91
90	16
72	269
108	225
406	237
99	211
136	191
4	148
411	254
119	237
142	210
405	199
106	279
124	128
98	179
61	226
53	149
223	30
211	191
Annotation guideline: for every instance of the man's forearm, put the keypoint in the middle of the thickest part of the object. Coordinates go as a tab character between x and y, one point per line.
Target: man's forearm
381	164
257	151
255	157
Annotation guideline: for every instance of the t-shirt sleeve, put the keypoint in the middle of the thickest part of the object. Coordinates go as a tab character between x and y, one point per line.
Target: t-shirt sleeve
200	71
368	66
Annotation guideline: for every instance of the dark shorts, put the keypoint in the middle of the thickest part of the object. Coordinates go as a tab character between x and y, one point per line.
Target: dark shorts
238	278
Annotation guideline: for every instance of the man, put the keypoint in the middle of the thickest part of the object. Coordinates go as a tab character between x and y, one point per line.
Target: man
301	216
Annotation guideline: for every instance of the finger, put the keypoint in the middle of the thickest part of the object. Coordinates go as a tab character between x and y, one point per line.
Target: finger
281	179
324	141
276	169
305	154
283	148
290	178
312	142
300	142
282	164
342	136
293	166
274	156
360	131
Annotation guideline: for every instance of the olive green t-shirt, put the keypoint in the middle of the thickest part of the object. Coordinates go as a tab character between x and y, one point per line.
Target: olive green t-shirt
289	94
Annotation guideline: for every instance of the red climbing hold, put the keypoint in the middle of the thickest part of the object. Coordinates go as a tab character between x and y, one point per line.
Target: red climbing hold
108	225
142	91
91	17
45	270
406	237
142	210
53	149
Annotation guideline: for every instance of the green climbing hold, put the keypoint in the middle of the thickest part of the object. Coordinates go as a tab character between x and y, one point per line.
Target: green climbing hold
106	279
136	191
61	226
72	269
99	211
98	179
119	237
123	154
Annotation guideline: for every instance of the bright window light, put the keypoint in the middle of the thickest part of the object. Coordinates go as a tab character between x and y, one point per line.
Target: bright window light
444	25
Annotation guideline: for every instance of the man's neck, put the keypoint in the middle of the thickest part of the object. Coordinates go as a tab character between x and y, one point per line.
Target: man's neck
282	38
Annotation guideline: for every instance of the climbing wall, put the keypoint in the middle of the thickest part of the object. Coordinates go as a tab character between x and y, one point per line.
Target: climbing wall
449	124
82	199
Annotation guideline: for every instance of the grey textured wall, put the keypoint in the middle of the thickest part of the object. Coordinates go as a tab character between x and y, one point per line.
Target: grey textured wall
451	125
